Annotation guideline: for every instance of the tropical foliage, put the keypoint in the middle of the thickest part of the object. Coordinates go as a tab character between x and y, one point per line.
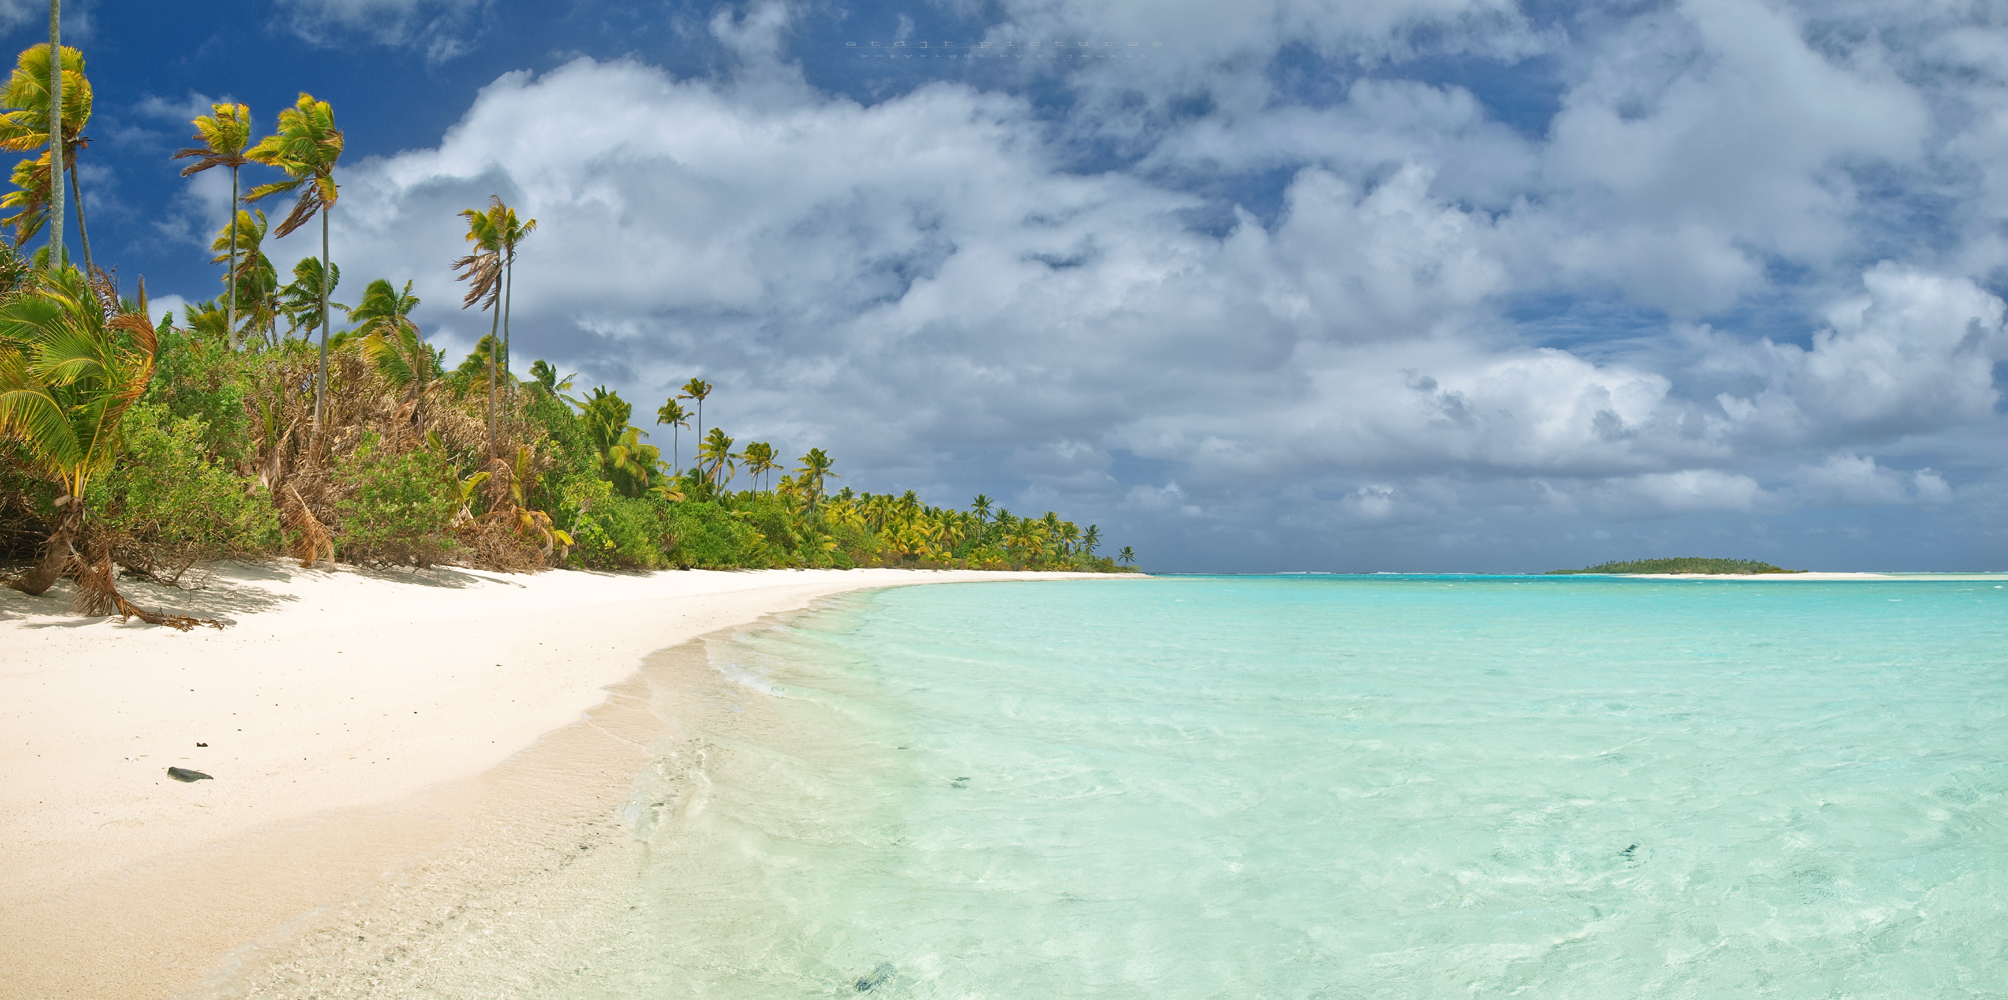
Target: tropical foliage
154	443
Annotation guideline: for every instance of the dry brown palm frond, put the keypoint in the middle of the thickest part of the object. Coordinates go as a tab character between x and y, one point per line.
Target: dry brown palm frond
313	543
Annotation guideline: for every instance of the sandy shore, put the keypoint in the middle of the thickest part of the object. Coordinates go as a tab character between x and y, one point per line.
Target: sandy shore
352	722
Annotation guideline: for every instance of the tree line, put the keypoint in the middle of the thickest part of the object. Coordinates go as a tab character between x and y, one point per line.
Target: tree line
141	446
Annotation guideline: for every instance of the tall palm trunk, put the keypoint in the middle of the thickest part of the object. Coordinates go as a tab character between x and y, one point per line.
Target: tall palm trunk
82	233
321	382
232	334
494	346
56	133
58	551
508	287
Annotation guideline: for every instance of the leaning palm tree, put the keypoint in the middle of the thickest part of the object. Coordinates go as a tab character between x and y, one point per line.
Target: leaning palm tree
482	269
223	136
307	146
68	373
697	389
673	414
30	92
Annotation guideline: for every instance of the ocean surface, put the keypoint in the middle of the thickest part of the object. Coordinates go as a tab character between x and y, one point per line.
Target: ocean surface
1324	787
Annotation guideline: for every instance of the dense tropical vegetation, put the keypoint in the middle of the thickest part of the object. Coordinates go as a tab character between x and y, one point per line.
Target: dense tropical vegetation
152	444
1682	565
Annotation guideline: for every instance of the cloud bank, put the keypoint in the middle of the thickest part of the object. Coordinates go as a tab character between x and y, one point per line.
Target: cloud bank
1689	309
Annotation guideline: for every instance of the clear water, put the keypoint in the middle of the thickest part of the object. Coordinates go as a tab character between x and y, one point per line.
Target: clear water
1340	787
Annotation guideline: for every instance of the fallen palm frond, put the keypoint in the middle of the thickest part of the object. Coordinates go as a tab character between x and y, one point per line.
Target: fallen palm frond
313	543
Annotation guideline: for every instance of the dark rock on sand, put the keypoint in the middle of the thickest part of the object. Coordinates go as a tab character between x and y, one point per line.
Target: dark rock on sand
184	774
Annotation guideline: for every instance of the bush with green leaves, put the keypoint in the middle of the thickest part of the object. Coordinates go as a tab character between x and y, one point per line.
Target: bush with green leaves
203	378
396	509
707	536
168	503
609	531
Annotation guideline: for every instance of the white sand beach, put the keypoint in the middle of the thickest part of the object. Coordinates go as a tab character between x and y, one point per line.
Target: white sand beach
351	721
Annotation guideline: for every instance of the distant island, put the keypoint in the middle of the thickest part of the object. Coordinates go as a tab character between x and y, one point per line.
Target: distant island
1689	564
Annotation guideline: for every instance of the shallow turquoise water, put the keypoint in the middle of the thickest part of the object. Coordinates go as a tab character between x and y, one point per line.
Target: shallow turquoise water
1342	787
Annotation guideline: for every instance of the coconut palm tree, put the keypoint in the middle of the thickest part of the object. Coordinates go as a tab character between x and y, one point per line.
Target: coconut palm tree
717	449
981	507
307	146
1126	556
67	376
30	92
759	456
673	414
223	134
626	462
697	389
60	111
482	269
390	339
815	468
1091	538
302	301
253	280
510	233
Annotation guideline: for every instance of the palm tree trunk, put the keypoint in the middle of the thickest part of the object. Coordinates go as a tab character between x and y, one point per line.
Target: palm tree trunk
82	233
321	382
232	334
494	326
57	552
56	254
508	288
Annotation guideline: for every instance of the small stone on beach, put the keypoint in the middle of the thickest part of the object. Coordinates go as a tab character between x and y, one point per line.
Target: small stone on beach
184	774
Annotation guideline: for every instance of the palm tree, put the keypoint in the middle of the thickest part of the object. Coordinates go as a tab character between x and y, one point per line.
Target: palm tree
306	146
815	468
33	89
223	136
759	457
673	414
717	449
303	301
627	463
1126	556
981	506
1090	539
390	339
482	270
60	111
511	233
697	389
253	280
67	375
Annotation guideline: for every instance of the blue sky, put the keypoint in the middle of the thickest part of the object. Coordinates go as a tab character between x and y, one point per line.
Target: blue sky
1373	285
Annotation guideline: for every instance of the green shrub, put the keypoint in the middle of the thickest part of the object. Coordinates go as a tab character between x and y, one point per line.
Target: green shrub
396	509
609	531
708	536
203	379
169	503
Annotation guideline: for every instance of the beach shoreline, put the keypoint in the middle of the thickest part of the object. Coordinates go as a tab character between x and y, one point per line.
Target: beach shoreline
350	718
